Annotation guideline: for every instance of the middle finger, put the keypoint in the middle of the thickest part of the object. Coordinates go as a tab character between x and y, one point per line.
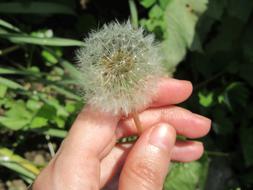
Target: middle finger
186	123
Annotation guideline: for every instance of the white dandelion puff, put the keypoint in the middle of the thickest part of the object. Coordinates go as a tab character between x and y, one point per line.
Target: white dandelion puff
120	67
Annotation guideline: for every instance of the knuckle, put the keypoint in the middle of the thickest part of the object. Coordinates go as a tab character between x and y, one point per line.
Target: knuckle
167	113
147	172
163	114
172	113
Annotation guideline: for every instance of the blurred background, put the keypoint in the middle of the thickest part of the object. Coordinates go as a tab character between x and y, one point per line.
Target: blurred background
209	42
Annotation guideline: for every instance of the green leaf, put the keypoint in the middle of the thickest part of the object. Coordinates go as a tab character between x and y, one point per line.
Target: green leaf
147	3
18	164
70	69
71	106
56	132
33	105
205	99
38	122
60	122
18	109
11	71
50	58
187	176
35	7
54	41
181	17
66	92
7	102
9	26
47	111
155	12
237	95
59	133
8	71
10	83
17	116
54	103
154	25
14	123
3	90
163	3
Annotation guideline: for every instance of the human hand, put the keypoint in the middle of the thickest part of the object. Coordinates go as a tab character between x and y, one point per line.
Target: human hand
89	157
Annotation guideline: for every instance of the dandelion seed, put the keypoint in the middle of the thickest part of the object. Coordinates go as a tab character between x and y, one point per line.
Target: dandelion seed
120	67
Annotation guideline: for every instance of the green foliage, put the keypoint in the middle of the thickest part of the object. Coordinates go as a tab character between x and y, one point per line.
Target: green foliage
175	21
208	42
36	91
26	169
20	38
187	176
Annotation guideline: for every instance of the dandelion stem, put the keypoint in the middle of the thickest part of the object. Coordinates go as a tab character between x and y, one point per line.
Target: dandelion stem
137	122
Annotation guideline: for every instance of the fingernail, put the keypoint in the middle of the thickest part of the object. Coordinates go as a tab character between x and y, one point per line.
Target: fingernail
203	119
163	137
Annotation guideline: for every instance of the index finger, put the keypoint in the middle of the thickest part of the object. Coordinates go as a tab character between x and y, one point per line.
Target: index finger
171	91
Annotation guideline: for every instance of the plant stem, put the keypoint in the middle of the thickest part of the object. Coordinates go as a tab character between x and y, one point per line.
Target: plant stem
127	140
213	153
134	13
50	146
204	83
137	122
9	50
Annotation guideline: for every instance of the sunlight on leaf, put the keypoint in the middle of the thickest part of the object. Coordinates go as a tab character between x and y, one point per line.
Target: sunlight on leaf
205	99
26	39
18	164
181	17
187	176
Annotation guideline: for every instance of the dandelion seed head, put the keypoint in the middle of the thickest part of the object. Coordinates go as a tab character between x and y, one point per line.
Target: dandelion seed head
119	68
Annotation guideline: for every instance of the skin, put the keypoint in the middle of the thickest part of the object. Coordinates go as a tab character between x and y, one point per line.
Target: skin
89	157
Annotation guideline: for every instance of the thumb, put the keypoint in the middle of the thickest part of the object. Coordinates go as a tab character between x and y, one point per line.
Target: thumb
77	163
147	163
